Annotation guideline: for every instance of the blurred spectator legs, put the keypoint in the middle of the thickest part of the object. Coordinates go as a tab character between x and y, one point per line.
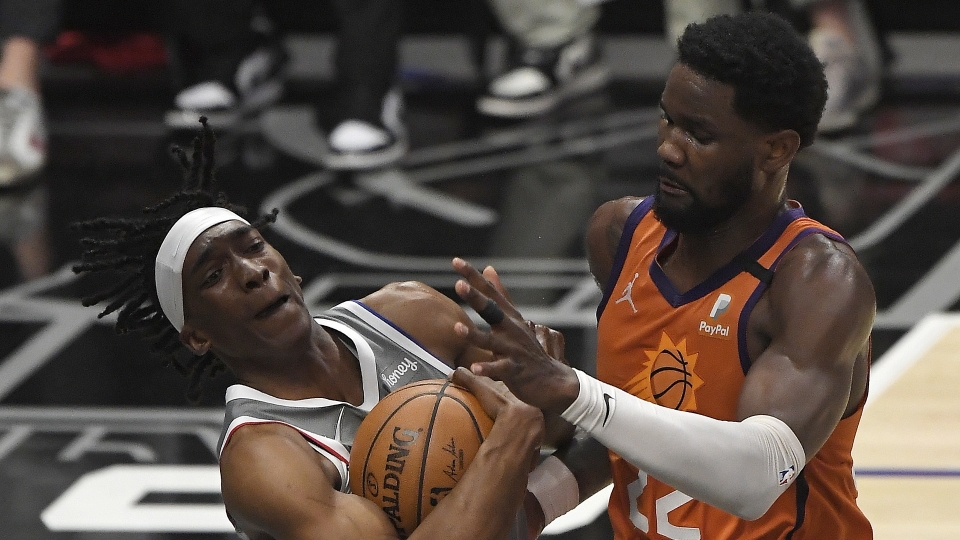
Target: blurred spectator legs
228	61
25	25
841	34
369	131
843	37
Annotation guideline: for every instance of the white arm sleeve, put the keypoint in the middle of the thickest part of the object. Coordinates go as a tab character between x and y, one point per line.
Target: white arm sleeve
738	467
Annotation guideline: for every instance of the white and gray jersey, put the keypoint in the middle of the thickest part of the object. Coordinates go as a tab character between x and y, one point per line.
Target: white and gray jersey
389	359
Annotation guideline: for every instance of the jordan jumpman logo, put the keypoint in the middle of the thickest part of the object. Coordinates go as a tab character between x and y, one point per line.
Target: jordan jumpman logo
627	292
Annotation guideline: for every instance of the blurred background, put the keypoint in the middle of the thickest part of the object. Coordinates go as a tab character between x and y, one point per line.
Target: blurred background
439	129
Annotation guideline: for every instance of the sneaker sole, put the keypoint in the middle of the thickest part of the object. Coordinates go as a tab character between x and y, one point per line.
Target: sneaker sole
180	119
366	160
847	120
589	81
265	96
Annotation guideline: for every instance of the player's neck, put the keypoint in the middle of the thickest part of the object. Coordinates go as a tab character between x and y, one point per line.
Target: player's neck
695	257
323	368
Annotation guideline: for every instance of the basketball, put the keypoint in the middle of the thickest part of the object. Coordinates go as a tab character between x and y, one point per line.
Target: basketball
413	448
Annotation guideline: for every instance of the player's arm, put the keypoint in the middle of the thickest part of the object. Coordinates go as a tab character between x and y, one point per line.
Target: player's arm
563	480
485	502
821	307
738	466
274	485
428	316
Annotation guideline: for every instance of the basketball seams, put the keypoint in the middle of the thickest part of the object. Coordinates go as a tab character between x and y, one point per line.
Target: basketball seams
473	417
438	398
376	436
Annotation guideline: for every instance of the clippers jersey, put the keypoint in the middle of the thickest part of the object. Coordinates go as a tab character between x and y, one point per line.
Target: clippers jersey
389	359
688	351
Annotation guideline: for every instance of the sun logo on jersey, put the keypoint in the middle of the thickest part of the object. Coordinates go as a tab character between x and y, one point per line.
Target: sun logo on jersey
668	376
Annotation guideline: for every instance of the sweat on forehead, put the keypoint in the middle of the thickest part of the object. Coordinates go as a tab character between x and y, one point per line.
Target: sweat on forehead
169	265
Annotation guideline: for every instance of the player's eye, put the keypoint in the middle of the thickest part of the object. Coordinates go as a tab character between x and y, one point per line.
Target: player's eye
212	277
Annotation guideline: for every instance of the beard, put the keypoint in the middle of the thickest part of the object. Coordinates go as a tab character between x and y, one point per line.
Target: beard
698	217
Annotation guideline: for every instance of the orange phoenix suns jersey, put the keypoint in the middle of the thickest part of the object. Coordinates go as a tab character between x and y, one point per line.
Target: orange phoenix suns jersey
688	351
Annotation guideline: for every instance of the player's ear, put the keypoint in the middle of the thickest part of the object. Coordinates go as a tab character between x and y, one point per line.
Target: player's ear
778	149
194	341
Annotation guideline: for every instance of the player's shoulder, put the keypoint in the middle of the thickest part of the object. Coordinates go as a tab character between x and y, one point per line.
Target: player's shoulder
260	442
406	303
402	292
823	255
827	267
606	224
402	301
604	230
615	211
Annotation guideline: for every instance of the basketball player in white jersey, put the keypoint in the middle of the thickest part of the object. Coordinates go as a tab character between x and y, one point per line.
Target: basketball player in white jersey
202	282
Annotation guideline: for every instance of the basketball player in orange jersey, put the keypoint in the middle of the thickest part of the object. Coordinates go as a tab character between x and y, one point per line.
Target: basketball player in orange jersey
733	332
202	281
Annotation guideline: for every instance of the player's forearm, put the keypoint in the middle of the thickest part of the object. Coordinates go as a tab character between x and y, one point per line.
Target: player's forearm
588	461
485	502
739	467
557	432
563	480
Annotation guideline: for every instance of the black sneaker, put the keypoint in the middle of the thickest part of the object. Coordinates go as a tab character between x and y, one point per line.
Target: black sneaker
356	144
258	83
540	79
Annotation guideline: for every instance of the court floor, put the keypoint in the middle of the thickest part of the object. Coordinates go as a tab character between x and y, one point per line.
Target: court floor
97	440
907	454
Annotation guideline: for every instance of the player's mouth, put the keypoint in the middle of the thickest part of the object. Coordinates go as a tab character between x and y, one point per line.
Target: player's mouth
273	307
669	184
672	187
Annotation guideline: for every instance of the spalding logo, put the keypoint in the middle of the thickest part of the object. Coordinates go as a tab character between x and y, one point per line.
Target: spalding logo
396	459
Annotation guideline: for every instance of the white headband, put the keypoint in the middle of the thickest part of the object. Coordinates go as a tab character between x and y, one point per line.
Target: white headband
169	267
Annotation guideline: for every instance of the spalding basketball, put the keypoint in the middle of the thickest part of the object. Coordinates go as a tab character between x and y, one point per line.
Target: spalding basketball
414	447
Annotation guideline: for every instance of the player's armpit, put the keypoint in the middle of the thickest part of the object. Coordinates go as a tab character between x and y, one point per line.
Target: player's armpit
274	483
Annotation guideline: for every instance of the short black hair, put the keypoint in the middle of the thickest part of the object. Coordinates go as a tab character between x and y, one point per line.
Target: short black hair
126	249
778	81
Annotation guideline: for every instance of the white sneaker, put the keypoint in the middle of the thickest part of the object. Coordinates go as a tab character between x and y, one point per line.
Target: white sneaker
854	71
23	136
355	144
258	84
541	79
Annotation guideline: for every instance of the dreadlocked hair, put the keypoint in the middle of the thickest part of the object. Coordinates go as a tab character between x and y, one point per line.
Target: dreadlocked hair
128	247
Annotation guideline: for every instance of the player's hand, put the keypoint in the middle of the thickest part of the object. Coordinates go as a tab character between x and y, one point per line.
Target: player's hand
521	360
552	341
494	396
